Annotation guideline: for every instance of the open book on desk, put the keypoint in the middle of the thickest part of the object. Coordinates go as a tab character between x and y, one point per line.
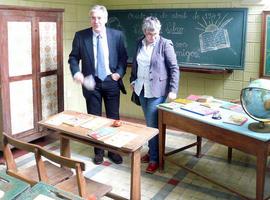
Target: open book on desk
120	139
102	133
96	123
72	120
112	136
235	119
77	120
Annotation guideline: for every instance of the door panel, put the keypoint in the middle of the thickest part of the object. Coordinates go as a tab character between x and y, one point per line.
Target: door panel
49	96
19	48
21	106
48	46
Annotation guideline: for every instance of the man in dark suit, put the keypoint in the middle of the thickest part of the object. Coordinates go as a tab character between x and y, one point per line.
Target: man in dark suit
103	57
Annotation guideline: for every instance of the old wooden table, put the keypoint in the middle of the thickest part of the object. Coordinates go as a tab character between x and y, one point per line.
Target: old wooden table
78	133
232	136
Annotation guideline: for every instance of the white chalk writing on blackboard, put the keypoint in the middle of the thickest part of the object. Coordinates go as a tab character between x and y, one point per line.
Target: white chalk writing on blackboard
139	15
177	15
173	28
183	51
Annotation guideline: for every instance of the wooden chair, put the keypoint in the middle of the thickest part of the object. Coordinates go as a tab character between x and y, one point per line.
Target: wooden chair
77	184
55	174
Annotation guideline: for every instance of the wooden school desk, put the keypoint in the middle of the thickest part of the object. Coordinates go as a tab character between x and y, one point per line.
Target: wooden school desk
11	187
77	133
42	190
233	136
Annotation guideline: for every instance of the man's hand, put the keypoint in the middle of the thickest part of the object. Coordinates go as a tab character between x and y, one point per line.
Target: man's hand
115	76
78	77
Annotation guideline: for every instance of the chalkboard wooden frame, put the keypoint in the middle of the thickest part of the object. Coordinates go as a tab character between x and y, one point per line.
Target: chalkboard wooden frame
265	46
224	59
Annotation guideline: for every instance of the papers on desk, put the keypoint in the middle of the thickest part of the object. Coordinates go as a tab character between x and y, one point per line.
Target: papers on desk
112	136
199	109
232	106
96	123
58	119
171	105
77	120
43	197
68	119
120	139
2	193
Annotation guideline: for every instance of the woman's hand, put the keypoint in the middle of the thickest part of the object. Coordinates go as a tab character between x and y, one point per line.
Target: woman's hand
171	96
132	86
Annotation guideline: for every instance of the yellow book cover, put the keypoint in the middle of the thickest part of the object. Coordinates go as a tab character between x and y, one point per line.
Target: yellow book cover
183	101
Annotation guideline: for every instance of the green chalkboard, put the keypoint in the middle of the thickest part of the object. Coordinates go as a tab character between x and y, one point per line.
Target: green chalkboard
203	38
267	45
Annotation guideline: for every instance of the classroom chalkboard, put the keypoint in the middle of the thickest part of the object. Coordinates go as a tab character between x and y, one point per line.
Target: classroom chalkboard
267	47
203	38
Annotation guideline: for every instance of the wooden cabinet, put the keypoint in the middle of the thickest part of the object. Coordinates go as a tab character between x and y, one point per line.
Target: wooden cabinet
31	69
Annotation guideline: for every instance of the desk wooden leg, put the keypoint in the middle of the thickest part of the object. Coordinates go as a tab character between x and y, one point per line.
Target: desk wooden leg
199	146
229	154
64	147
161	139
261	167
135	186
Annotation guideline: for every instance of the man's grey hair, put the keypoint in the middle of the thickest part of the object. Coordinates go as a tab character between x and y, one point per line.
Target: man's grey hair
99	8
151	24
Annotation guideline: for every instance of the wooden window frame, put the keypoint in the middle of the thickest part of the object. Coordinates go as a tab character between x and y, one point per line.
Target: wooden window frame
264	38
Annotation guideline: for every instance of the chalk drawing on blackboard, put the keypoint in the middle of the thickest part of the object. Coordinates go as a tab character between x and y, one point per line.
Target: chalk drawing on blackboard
214	40
114	22
215	36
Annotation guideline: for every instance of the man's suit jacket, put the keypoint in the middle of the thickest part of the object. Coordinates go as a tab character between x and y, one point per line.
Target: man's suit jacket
82	50
164	70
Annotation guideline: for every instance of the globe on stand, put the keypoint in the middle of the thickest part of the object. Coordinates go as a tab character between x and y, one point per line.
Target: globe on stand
255	100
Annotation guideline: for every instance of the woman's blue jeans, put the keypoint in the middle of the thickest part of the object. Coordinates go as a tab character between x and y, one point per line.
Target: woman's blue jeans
149	106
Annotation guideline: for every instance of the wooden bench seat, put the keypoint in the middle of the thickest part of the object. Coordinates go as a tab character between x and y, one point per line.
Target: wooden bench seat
77	184
30	174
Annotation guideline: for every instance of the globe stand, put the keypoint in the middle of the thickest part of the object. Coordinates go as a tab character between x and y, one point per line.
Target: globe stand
259	127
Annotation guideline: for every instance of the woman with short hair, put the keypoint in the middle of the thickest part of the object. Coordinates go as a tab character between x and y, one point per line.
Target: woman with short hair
154	78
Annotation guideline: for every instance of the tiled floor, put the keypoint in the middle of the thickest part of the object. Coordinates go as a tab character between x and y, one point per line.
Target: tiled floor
175	183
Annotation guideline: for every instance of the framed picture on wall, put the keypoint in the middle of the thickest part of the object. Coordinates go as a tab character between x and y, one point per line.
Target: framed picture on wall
265	46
